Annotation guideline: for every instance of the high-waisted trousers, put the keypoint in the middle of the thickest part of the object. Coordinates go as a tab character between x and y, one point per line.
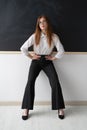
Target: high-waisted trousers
56	92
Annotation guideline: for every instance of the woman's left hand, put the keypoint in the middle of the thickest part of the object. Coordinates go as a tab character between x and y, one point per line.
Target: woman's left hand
50	58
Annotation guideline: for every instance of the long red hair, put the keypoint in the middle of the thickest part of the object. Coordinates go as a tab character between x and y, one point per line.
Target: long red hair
38	30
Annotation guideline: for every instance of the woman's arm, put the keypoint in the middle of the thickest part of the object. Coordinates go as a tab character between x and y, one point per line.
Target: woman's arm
59	47
29	42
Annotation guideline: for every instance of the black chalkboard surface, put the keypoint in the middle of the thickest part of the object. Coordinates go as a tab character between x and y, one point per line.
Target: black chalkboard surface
18	20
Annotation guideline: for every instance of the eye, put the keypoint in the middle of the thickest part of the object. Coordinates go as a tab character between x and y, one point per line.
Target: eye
41	22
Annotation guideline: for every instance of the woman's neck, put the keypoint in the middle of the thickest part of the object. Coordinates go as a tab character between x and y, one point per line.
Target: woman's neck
44	31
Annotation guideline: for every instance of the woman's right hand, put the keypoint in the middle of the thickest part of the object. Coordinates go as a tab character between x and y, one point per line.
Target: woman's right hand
35	56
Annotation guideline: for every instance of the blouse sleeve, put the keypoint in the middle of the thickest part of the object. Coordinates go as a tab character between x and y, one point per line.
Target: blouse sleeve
29	42
59	47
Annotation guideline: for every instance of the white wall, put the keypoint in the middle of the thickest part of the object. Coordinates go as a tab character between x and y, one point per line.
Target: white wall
71	69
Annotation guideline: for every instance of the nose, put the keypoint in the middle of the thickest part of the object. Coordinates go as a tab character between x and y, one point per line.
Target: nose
42	23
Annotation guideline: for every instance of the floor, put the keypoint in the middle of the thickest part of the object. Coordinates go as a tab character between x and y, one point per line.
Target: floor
43	118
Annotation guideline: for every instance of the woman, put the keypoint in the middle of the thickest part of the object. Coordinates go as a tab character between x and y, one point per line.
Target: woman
43	41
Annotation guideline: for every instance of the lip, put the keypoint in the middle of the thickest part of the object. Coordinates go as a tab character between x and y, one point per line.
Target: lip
42	26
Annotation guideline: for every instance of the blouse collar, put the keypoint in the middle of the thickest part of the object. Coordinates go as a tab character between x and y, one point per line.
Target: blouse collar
42	34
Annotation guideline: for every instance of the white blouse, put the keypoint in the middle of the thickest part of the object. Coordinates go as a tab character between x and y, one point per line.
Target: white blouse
43	47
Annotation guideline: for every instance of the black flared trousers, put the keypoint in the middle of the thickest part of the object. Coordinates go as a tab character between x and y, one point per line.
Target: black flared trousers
56	92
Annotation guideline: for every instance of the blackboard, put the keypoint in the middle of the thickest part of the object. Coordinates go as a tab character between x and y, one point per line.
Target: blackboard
18	20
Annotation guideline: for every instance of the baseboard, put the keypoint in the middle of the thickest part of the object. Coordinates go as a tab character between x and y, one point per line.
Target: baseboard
18	103
54	52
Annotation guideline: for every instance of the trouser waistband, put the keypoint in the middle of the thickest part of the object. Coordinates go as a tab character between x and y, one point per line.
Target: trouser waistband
42	57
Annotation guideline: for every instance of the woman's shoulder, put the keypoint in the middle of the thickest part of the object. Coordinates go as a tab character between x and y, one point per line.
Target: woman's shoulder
55	36
32	35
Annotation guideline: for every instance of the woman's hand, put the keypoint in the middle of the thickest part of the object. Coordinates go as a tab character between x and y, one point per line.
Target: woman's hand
50	57
35	56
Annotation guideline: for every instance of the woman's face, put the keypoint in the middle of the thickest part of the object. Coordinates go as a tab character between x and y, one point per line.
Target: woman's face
43	23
